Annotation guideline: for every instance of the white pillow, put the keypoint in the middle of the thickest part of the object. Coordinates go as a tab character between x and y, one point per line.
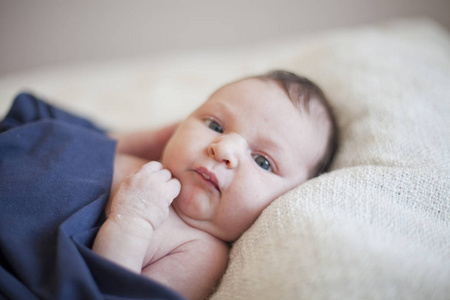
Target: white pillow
378	225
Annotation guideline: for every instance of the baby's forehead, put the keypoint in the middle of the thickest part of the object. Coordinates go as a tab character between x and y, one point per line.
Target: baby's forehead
310	104
251	96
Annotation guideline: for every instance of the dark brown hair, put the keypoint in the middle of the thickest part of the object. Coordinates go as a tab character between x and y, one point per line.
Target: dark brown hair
300	91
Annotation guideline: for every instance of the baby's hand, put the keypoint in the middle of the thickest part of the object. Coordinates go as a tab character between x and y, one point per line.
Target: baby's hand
144	197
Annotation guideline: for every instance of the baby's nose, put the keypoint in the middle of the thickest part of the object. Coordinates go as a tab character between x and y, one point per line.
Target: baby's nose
228	149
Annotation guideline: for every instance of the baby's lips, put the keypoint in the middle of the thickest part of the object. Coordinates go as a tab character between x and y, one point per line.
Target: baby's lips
209	176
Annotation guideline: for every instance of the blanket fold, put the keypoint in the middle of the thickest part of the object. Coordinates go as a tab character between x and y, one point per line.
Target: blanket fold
55	176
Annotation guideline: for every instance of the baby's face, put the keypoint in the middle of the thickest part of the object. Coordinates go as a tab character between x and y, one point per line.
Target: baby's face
240	150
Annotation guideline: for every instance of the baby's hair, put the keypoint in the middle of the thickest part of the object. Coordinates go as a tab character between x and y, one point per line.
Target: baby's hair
300	91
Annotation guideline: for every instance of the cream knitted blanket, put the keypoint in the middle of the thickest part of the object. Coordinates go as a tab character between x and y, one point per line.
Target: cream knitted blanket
378	225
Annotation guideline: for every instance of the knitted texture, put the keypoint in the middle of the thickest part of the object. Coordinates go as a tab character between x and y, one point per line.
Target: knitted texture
378	225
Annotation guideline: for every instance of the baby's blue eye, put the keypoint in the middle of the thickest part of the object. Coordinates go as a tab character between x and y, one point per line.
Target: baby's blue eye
214	125
262	162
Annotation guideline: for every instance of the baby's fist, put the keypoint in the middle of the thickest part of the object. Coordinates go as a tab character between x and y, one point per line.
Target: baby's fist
145	197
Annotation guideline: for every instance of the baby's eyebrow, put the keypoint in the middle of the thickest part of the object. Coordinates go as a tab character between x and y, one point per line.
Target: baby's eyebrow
270	144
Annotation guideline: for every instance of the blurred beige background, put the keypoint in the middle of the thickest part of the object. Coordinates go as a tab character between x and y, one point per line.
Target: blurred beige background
37	34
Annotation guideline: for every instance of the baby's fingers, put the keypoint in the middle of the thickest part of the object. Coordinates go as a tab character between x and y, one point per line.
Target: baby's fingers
163	175
156	170
174	187
152	167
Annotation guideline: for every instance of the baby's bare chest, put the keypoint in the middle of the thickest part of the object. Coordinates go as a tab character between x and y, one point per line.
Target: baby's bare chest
168	238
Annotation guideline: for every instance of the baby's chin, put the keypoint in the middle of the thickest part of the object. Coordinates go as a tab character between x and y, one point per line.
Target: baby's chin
191	209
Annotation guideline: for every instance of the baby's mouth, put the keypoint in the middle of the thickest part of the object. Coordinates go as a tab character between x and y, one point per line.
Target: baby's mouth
209	177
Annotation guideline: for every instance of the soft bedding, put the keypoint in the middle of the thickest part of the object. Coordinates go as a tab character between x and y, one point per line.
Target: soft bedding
55	176
377	226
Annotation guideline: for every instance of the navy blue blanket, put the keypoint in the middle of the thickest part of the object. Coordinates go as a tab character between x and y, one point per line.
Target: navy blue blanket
55	176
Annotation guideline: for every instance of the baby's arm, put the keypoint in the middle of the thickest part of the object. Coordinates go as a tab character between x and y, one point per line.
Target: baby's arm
138	208
147	144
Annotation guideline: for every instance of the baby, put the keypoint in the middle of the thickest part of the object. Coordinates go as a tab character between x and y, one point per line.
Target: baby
249	143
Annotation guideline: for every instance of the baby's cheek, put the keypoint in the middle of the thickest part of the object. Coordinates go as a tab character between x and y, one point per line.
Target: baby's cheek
254	187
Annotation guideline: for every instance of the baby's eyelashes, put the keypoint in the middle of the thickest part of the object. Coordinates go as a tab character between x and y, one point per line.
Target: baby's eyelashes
213	125
262	162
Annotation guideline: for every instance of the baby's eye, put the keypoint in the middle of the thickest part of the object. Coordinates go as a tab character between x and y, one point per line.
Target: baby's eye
214	125
262	162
